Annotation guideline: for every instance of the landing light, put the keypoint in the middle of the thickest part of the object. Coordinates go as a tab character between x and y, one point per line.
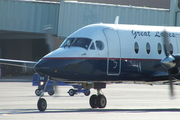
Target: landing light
41	83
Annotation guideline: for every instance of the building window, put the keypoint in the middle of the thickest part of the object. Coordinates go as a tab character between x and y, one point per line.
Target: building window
159	48
136	47
148	48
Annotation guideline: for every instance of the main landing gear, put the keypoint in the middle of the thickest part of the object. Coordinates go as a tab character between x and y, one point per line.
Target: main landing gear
98	101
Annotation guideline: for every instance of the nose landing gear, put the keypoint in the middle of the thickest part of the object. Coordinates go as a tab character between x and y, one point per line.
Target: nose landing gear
42	104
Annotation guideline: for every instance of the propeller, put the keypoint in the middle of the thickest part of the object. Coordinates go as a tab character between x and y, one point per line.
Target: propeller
49	40
171	84
50	43
168	62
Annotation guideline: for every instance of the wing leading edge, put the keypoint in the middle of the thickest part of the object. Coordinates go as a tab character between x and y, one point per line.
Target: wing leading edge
18	63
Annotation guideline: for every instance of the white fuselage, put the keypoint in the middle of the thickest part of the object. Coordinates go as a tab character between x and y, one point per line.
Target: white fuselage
123	38
114	50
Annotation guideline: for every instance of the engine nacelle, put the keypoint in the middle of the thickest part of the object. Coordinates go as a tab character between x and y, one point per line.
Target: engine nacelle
175	71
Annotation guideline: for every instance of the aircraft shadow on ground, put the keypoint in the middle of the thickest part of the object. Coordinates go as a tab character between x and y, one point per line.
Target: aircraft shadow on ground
32	111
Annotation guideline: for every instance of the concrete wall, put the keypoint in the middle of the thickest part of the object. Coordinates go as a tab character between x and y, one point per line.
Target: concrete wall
74	15
28	16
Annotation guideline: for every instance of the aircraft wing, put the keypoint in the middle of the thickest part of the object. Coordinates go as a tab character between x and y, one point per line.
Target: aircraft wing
18	63
159	77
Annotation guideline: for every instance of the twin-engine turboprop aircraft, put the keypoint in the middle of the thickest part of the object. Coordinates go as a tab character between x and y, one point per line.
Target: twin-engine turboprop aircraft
101	53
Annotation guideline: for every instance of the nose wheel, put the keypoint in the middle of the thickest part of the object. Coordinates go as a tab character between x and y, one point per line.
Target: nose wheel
42	104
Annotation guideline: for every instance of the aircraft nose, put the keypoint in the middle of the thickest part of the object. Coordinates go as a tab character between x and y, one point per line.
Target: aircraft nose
42	67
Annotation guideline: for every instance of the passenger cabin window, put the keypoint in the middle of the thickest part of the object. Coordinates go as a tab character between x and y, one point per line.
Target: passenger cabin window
99	45
171	48
92	46
159	48
68	42
147	48
136	47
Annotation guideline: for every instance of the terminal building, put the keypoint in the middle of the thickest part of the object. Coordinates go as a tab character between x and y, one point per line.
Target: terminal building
23	22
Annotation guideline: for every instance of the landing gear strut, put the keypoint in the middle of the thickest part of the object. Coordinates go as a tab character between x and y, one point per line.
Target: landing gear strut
98	101
42	104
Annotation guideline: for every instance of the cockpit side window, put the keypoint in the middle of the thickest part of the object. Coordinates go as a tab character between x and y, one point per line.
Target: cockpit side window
68	42
92	46
82	42
99	45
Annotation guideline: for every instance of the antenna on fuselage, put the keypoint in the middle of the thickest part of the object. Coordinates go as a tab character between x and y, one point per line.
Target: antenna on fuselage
116	20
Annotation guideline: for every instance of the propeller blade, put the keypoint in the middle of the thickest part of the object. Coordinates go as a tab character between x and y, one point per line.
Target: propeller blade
171	84
166	44
55	87
49	40
50	43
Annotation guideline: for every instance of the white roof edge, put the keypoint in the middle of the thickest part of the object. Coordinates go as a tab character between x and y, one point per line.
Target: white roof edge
93	3
39	1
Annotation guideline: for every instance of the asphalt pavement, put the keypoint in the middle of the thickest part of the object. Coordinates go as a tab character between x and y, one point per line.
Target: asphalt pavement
124	102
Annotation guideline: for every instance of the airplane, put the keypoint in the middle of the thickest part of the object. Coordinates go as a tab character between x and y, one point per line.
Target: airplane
113	53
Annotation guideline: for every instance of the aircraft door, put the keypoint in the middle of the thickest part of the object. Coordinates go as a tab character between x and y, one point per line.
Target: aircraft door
113	44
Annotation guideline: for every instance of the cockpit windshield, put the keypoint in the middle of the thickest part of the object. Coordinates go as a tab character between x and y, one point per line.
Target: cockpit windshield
82	42
68	42
77	42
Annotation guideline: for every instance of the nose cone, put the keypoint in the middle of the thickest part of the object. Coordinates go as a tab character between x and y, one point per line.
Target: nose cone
42	67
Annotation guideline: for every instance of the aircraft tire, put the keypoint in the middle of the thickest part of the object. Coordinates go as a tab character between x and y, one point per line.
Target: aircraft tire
51	93
37	92
71	92
93	101
42	104
101	101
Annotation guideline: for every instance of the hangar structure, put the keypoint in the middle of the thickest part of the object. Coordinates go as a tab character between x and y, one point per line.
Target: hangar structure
22	22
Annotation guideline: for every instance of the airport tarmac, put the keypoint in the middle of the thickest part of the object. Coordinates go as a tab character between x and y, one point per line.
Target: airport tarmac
124	102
